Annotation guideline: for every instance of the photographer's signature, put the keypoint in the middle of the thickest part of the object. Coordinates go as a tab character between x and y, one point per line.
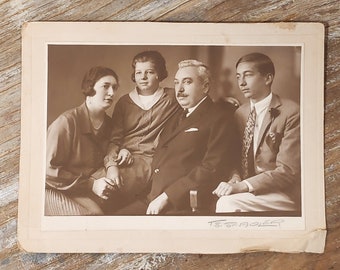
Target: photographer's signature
224	223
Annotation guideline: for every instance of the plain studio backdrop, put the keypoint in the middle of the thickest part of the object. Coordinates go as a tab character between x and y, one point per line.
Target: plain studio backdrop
67	65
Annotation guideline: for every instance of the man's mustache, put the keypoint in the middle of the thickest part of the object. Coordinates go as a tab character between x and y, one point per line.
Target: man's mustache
181	95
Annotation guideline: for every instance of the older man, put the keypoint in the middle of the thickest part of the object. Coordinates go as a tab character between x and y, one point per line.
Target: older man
270	127
195	148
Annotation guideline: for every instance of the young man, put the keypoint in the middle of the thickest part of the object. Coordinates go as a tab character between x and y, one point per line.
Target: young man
193	148
270	130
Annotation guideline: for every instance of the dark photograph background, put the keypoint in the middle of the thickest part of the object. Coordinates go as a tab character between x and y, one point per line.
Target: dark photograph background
67	64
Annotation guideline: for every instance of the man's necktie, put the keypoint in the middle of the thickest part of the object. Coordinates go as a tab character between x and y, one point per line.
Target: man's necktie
182	116
247	141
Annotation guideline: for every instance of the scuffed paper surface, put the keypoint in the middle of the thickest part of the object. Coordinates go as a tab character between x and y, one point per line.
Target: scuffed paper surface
153	234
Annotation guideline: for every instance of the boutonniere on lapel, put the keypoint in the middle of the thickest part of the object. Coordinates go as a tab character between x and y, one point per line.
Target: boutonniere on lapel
273	113
191	130
273	138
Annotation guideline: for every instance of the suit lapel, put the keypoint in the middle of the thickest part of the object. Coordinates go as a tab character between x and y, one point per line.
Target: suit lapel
196	115
268	118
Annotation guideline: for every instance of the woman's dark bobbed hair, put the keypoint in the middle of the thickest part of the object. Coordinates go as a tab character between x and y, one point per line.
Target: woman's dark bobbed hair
151	56
94	75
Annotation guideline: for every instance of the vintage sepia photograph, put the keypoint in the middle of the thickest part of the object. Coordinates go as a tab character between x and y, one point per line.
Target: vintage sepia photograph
213	132
119	144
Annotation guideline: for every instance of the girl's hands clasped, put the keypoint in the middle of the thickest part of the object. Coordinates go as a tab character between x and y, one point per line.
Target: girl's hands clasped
124	157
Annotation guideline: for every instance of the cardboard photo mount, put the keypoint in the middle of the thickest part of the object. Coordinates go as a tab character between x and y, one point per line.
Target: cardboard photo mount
173	234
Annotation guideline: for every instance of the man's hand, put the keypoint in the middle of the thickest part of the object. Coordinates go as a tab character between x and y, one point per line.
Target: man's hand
102	188
124	157
157	205
235	178
113	176
224	189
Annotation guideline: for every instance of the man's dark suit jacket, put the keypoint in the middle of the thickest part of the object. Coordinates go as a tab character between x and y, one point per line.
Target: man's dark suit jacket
196	154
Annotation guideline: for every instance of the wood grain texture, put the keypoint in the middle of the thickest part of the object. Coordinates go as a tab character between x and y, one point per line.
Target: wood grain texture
15	12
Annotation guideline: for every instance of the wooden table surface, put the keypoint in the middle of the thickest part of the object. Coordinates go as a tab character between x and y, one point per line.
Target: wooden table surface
14	13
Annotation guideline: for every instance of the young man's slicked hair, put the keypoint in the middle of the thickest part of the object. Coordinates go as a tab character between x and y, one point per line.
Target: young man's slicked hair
262	62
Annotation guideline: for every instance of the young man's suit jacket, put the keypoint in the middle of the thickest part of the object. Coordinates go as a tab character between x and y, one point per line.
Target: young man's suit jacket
277	156
194	155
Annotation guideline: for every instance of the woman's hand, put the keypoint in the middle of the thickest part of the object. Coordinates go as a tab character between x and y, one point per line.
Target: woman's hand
114	177
124	157
102	188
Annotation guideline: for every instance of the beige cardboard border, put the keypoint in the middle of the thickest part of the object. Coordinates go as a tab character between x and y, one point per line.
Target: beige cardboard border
169	234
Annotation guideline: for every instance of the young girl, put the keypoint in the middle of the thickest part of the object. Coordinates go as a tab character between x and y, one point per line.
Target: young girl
138	119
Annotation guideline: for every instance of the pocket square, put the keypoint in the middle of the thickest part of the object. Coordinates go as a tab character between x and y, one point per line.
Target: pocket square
191	129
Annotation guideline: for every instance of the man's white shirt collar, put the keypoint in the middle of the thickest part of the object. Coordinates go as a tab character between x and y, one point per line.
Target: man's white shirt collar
191	110
262	104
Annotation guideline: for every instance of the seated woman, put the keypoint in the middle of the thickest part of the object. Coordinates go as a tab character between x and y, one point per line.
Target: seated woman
138	119
77	142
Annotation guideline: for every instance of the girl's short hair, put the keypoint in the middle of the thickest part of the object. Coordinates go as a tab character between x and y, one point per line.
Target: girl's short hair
93	76
154	57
